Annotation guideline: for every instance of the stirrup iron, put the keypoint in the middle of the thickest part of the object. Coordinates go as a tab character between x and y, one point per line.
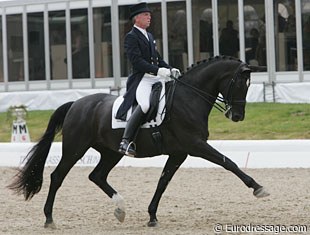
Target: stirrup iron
128	146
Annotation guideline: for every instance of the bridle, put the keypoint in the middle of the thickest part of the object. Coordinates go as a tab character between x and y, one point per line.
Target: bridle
228	101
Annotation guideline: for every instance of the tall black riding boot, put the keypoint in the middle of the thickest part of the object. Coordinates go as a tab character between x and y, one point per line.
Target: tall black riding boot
127	146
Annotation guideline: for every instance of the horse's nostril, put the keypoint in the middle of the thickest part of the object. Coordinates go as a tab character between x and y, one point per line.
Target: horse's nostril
237	117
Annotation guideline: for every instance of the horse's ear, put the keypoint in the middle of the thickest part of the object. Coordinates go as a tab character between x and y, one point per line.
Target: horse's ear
255	68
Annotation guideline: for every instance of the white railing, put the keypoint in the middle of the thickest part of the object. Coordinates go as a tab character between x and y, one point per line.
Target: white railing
245	153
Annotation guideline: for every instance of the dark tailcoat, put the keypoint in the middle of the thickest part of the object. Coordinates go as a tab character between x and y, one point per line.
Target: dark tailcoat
144	58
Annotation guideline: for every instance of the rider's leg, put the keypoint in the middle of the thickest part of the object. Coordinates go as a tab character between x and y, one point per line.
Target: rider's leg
127	146
143	92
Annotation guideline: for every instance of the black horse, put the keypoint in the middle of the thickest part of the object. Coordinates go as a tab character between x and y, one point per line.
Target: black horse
86	123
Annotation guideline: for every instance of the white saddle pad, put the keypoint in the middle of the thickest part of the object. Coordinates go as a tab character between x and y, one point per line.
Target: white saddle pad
116	123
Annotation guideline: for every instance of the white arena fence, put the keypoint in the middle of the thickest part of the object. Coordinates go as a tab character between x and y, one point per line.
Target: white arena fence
245	153
52	99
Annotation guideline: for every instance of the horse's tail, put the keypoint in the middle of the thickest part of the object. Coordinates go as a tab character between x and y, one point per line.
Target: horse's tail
28	180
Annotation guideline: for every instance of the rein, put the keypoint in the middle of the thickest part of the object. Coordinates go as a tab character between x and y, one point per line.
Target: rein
206	96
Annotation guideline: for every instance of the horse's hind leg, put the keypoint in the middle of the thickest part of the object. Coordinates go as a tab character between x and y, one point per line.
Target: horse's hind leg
99	176
172	165
57	178
66	163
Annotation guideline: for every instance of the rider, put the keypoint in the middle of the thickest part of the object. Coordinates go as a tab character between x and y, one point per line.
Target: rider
148	67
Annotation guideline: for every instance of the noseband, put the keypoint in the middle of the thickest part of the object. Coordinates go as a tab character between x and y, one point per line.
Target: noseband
228	101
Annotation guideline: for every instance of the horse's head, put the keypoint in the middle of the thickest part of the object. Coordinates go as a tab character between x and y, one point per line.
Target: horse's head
234	89
225	75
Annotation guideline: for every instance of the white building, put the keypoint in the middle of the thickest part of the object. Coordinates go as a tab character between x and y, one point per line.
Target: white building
78	44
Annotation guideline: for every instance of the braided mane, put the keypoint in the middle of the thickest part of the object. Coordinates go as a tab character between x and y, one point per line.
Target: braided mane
211	60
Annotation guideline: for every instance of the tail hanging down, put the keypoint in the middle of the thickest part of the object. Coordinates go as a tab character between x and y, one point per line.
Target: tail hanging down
28	180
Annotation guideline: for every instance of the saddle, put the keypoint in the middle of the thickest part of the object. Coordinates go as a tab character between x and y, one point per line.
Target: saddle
160	102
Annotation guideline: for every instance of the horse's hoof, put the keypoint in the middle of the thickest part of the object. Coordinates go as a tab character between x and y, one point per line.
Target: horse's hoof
153	223
261	192
50	225
119	214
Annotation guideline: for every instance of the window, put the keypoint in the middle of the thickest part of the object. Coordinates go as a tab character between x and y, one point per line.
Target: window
228	25
36	51
202	35
1	53
305	9
124	27
285	35
177	35
80	44
255	32
58	46
103	42
156	25
15	48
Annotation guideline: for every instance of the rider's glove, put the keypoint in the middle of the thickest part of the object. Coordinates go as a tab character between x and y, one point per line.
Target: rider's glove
175	73
164	72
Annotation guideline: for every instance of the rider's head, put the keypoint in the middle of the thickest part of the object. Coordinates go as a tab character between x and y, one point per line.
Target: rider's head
141	15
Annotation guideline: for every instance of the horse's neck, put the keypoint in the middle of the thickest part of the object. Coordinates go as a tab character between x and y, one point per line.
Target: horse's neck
206	81
190	109
202	89
194	98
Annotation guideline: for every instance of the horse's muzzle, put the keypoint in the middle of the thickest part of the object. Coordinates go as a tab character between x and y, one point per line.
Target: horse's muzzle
234	116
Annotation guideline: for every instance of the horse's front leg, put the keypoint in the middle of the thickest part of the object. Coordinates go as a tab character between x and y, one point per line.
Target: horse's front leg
172	165
204	150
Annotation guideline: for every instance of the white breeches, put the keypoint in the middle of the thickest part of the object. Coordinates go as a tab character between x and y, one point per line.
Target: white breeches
144	90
